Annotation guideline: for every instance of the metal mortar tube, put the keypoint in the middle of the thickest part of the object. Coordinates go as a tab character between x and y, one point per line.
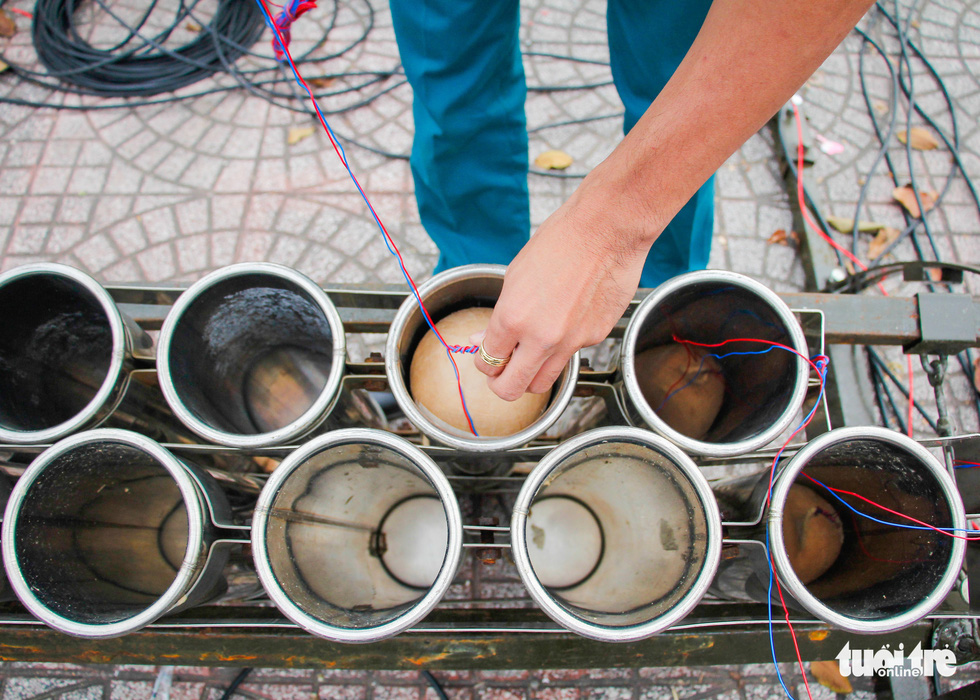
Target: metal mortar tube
443	294
69	360
106	531
357	535
885	577
253	355
615	534
763	392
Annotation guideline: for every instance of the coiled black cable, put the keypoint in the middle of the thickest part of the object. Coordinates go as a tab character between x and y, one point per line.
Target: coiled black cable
141	64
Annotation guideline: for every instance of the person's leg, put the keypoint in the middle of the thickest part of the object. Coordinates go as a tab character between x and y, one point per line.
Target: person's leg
469	156
647	40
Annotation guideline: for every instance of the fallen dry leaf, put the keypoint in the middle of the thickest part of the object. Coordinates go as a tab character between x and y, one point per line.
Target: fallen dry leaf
847	225
918	138
778	236
553	160
322	82
3	66
193	26
298	133
976	374
882	240
828	675
7	26
783	237
906	197
880	106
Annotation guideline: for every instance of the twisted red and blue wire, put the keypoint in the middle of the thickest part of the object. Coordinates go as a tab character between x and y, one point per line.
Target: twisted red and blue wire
819	364
281	42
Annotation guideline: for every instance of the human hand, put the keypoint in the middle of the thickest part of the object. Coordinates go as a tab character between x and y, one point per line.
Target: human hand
564	291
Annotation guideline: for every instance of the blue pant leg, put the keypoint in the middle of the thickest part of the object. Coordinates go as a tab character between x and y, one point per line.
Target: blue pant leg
469	156
647	41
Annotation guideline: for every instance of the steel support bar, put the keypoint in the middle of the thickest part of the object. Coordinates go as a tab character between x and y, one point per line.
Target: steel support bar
849	319
515	650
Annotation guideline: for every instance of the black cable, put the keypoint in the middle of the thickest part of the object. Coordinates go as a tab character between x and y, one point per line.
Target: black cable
880	387
790	157
912	223
147	67
876	358
884	141
434	684
143	65
876	388
964	359
227	48
866	278
237	681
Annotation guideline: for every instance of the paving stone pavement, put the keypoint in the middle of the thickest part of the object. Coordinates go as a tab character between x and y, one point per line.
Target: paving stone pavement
752	682
166	193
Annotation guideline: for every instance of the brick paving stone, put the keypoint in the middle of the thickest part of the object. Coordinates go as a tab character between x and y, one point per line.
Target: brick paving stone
608	693
566	693
343	692
503	675
494	693
130	690
397	692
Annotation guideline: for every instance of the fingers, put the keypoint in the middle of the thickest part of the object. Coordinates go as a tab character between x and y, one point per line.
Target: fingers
497	342
549	373
524	365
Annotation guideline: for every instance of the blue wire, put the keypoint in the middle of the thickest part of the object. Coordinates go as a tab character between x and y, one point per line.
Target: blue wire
343	158
772	638
821	363
885	522
700	366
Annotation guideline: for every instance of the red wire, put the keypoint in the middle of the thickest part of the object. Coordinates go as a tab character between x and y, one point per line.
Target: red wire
690	359
869	555
823	234
749	340
792	633
894	512
377	218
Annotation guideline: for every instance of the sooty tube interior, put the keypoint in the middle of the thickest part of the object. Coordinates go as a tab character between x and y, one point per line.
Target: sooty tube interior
102	533
617	534
356	535
55	351
757	387
882	570
251	354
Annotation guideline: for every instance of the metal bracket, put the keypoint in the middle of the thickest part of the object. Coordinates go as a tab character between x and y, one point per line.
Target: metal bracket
947	324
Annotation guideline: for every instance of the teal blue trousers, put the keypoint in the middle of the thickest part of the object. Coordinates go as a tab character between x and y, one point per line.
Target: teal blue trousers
470	152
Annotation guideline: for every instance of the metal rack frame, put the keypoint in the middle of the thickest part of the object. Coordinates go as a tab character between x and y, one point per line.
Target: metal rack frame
467	634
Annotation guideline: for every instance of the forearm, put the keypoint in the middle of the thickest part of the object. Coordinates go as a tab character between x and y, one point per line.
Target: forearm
748	59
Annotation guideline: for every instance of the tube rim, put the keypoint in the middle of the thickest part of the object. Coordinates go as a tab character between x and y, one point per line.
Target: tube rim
397	384
784	481
112	387
657	424
546	601
183	582
312	417
423	605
